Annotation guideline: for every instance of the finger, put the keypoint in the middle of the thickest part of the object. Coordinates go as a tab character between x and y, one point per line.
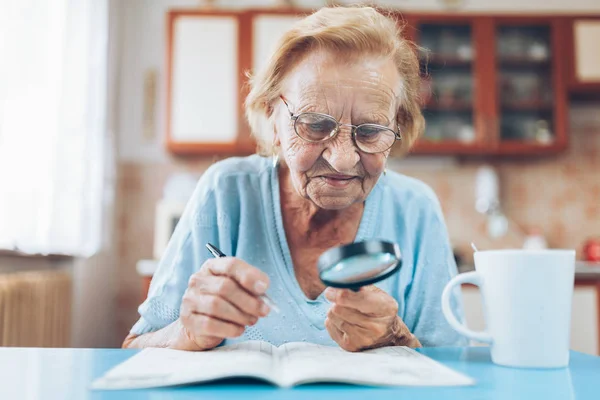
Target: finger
338	323
354	337
367	326
369	300
218	307
250	278
230	290
203	325
351	315
341	337
347	327
336	334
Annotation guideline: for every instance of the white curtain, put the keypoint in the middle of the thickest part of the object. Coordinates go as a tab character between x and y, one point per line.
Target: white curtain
53	129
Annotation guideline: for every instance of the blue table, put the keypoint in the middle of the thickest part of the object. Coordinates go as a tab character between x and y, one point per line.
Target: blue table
66	374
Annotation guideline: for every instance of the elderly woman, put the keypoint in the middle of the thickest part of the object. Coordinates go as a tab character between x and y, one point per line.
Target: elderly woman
337	94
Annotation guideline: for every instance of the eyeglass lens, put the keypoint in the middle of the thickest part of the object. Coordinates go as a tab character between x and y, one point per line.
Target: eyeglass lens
371	138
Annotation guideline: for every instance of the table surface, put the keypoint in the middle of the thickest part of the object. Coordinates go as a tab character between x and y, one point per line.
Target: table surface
32	373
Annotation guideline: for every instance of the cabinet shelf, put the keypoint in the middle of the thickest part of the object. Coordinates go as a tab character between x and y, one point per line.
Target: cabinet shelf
527	106
523	62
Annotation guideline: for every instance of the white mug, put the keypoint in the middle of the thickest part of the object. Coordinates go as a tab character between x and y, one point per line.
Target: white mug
527	297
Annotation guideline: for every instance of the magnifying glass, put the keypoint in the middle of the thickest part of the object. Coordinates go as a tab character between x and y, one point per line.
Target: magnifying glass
359	264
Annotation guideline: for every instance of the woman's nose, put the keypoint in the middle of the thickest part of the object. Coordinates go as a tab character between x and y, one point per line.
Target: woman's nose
341	153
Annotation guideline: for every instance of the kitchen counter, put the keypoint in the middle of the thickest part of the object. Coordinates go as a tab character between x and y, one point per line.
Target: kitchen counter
587	271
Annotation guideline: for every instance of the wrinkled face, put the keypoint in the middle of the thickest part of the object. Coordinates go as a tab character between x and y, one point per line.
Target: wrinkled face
336	174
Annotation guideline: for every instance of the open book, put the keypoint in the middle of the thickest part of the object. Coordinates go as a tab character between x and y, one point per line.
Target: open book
285	366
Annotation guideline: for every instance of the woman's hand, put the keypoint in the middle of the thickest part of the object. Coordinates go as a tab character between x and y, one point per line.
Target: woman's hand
366	319
220	301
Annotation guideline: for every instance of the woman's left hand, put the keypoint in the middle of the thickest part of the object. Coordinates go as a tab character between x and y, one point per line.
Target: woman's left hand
366	319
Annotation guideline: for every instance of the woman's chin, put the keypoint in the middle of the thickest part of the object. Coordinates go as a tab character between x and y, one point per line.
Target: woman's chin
328	201
335	197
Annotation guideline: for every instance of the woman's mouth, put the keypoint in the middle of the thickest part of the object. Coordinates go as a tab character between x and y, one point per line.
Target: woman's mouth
338	181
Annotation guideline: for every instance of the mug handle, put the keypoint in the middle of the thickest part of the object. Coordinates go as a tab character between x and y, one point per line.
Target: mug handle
469	277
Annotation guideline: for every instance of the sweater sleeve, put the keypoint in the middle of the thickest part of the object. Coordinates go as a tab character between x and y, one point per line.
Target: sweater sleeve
202	221
434	267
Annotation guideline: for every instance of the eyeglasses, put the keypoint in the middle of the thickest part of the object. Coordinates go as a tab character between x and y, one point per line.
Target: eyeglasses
317	128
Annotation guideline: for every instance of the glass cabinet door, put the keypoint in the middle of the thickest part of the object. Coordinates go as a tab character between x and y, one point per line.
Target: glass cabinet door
447	81
525	86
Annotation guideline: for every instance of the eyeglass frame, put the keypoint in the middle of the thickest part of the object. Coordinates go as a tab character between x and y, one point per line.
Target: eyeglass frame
353	128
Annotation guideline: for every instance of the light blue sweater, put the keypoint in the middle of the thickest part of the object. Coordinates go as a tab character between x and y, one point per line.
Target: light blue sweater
236	207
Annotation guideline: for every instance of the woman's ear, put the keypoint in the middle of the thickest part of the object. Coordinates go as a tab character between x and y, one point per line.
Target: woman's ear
268	109
276	140
272	117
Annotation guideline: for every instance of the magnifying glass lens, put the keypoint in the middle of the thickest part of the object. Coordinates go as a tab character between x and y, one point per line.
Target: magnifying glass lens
358	264
359	268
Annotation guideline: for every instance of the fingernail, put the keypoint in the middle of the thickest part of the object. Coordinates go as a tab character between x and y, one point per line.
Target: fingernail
264	309
260	287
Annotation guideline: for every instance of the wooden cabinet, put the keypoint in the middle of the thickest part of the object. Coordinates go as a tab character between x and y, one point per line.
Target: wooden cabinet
205	76
452	96
492	84
473	309
585	315
267	30
583	36
585	318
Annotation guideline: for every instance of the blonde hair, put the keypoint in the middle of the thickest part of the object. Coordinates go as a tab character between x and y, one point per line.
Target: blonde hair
344	30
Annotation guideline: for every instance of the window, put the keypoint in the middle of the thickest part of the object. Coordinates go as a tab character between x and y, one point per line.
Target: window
53	140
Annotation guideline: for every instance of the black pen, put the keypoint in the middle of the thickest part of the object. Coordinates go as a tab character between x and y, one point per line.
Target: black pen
218	253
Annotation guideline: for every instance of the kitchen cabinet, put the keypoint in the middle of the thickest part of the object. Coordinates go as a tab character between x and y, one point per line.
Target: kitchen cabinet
267	30
205	76
451	102
585	314
584	59
473	309
491	85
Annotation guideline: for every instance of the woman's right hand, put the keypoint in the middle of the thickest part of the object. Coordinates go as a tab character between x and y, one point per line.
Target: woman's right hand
222	298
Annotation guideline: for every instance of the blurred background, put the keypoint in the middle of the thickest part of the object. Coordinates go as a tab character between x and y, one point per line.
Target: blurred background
110	111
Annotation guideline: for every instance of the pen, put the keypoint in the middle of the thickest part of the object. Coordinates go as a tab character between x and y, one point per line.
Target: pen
218	253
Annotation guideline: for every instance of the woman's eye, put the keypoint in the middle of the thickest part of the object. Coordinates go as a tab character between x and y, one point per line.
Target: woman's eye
319	126
368	132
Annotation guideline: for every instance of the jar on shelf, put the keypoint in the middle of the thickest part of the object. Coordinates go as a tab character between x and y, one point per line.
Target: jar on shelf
543	134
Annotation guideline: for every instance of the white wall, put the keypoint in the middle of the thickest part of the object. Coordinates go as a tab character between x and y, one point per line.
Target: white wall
94	278
142	34
141	30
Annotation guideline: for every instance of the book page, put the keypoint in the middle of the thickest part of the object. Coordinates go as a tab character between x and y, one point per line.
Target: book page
154	367
394	366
